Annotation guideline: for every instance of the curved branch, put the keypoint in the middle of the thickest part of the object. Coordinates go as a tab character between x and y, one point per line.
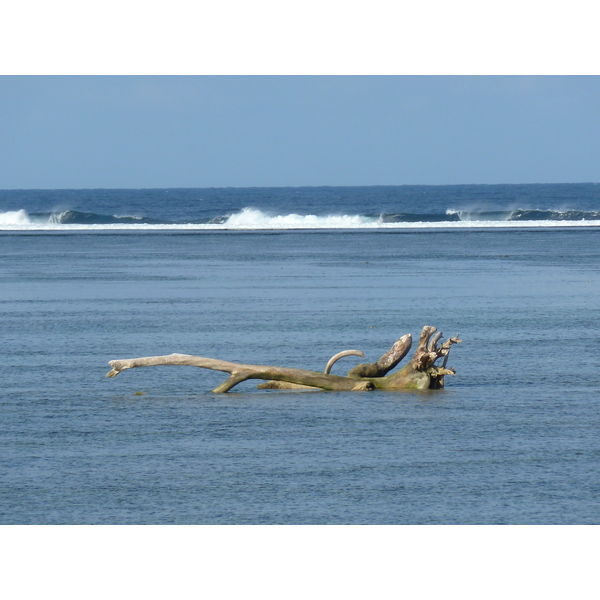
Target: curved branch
339	355
231	382
286	385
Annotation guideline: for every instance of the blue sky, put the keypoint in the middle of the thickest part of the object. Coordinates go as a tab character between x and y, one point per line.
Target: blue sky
220	131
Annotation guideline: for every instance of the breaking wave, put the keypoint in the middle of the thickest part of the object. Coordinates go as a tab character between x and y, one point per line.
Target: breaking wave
14	218
521	214
255	219
252	218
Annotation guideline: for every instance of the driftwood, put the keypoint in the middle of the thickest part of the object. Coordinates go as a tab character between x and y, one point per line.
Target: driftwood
420	373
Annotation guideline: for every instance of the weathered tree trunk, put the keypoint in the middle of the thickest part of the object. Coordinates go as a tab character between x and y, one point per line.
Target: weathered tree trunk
420	373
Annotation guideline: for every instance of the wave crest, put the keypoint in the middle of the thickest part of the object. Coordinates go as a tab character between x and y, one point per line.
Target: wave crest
15	217
252	218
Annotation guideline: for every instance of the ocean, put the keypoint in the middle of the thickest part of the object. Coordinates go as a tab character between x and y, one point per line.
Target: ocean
289	277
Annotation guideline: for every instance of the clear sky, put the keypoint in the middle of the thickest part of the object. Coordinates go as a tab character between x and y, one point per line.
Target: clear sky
220	131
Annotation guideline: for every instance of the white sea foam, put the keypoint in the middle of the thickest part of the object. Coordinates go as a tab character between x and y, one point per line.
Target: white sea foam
14	218
55	218
250	219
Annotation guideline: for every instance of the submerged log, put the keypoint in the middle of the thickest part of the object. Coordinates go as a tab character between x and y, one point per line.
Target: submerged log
286	385
420	373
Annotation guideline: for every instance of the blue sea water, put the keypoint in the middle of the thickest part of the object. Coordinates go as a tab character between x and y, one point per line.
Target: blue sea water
87	276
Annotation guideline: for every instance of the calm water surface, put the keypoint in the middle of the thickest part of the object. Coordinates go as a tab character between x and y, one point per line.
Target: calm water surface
512	439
